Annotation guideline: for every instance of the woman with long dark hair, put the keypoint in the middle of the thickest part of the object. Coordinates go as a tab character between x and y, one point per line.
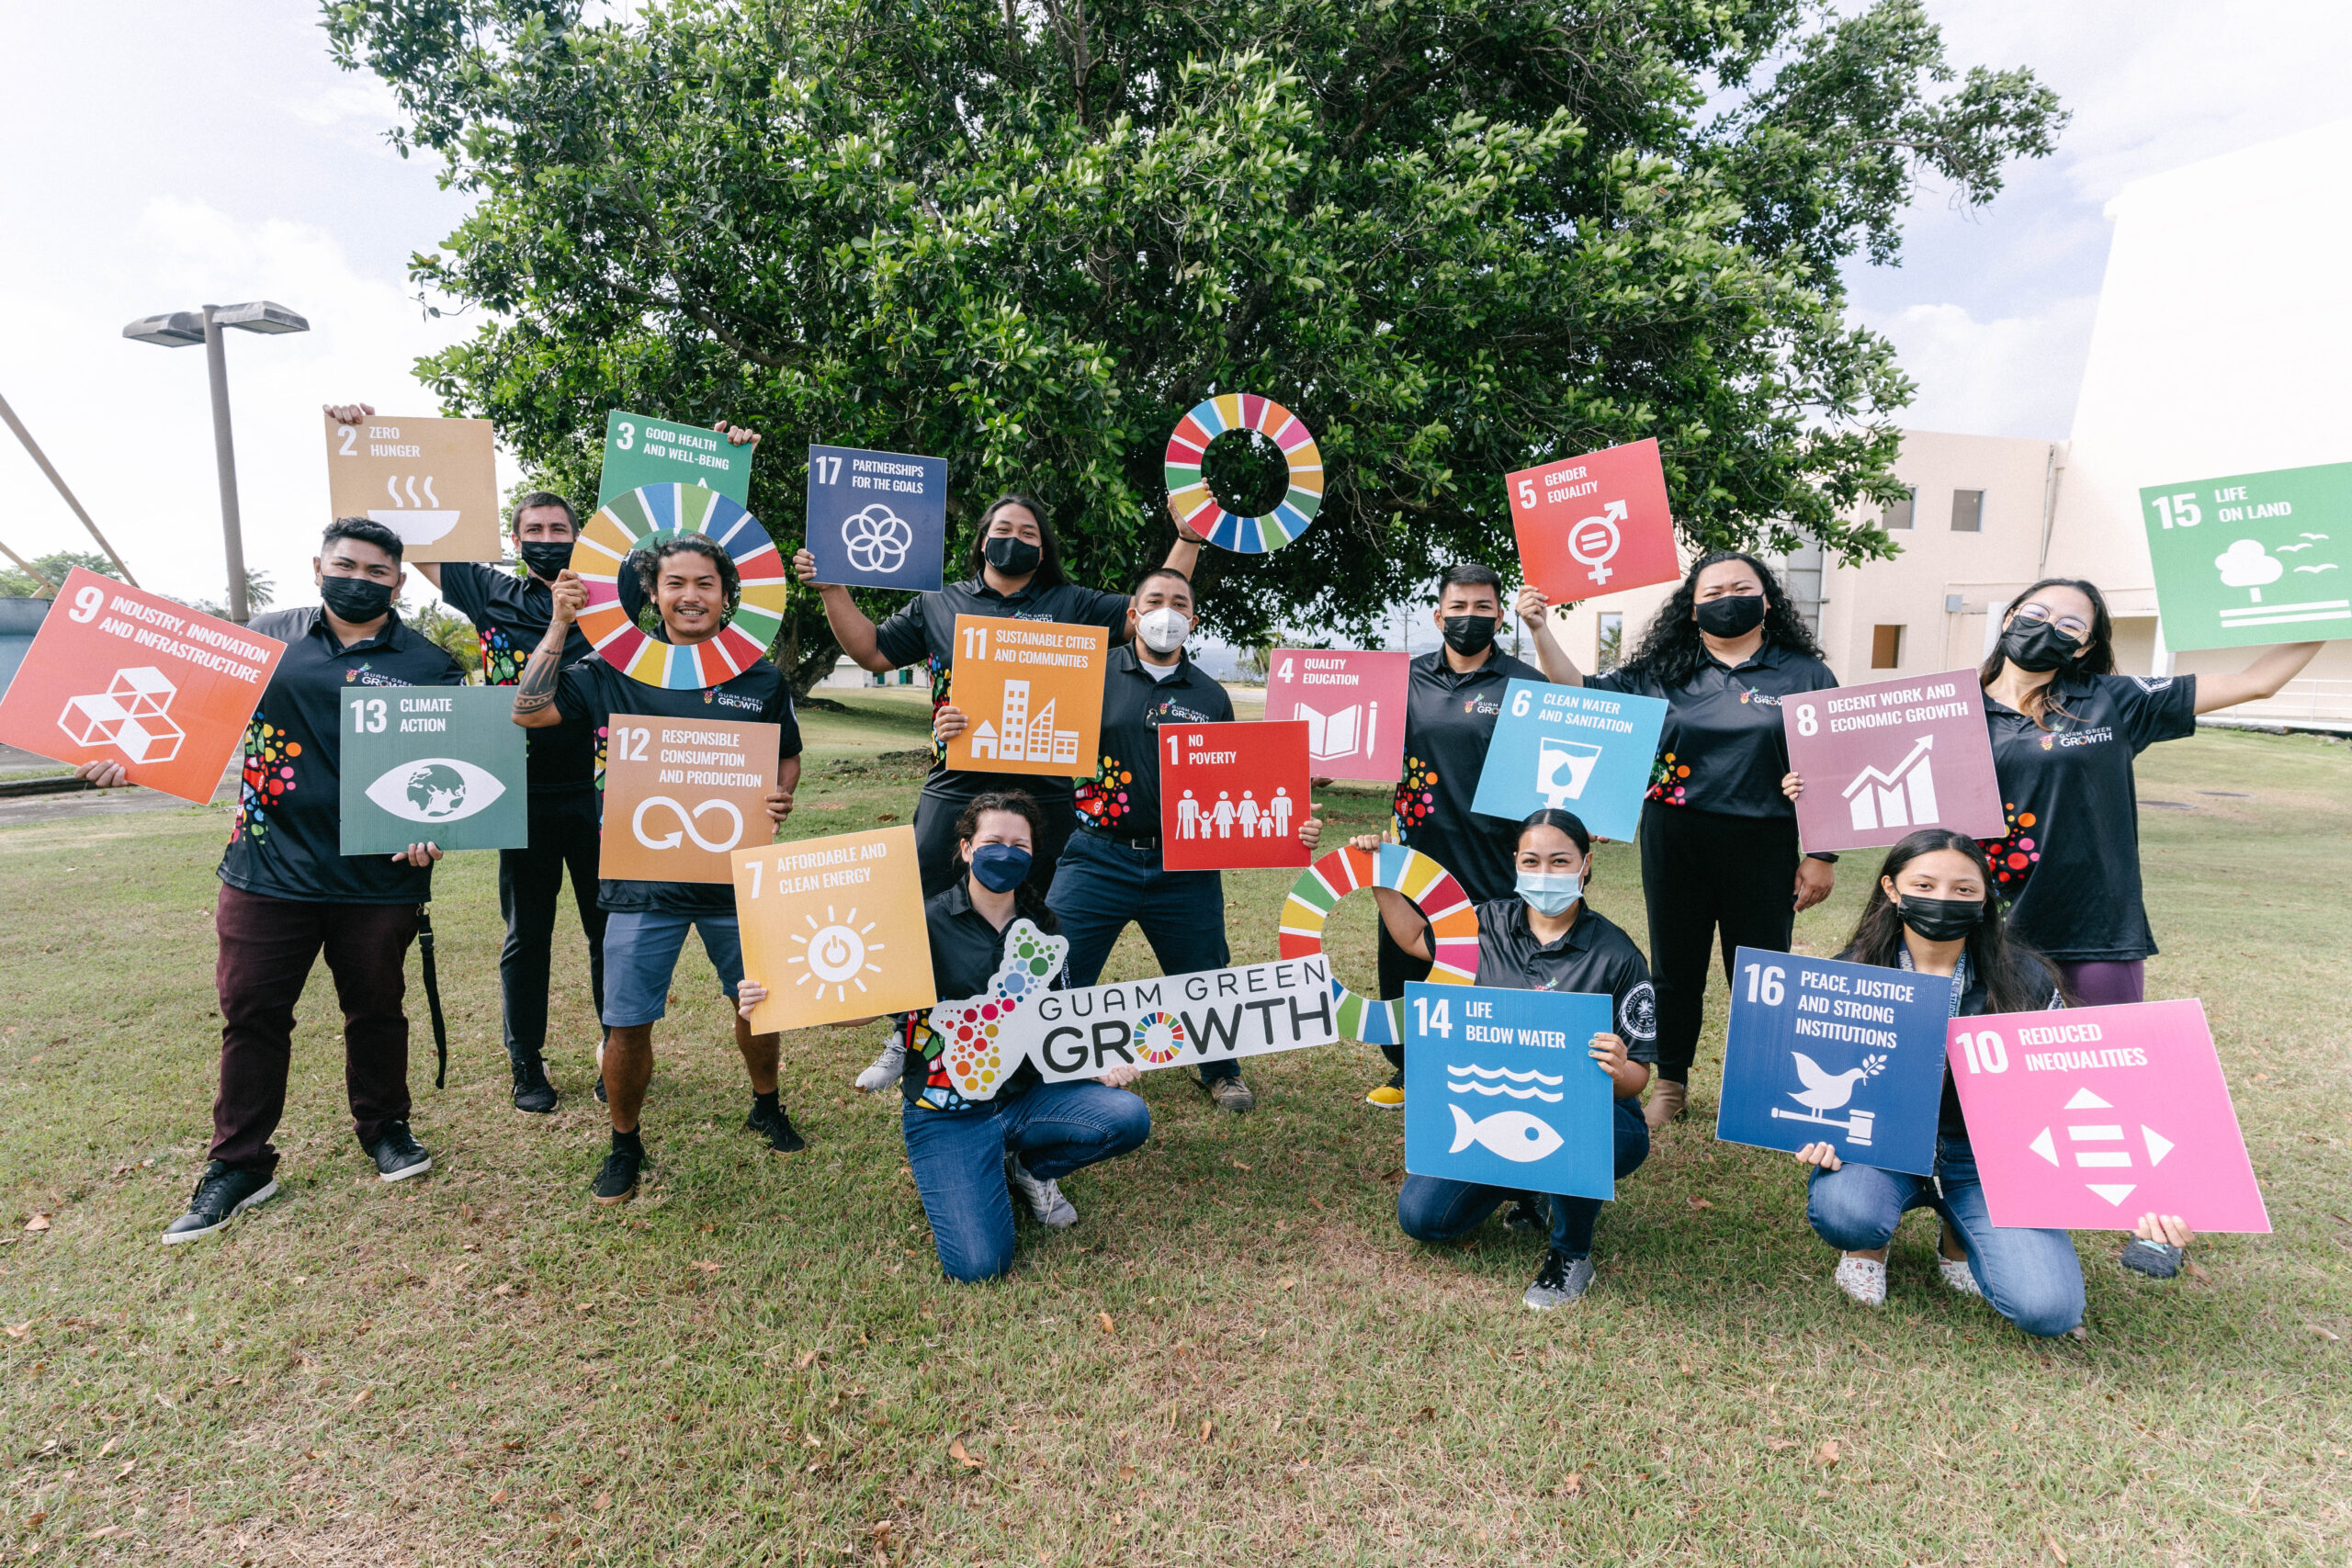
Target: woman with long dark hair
1720	860
1932	911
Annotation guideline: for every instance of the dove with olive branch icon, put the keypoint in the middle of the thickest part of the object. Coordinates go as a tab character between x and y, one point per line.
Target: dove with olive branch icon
1826	1091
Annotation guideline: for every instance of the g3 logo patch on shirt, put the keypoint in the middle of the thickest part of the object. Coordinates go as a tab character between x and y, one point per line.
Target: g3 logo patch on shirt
731	700
1638	1014
1485	707
2077	738
1758	697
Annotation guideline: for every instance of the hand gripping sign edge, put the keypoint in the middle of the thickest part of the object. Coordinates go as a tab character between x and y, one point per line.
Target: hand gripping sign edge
645	516
1453	926
1189	496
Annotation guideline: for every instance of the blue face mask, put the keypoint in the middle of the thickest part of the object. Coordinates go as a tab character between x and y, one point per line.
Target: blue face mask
999	867
1550	892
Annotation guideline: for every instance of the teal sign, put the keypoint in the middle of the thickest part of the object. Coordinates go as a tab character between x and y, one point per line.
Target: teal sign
433	764
2250	559
640	451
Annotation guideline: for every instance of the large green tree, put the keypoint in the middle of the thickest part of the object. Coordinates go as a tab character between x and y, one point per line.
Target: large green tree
1456	238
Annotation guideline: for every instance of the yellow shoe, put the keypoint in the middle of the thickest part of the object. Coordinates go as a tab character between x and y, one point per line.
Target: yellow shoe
1389	1096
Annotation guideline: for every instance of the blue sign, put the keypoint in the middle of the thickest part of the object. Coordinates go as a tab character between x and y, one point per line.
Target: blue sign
1573	748
1821	1052
1501	1089
877	519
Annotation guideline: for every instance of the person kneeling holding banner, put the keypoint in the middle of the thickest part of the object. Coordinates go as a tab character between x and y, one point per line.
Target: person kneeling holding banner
1546	939
968	1156
1931	912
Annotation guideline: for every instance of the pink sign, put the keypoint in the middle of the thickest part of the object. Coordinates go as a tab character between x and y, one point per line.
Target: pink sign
1352	705
2086	1119
1881	759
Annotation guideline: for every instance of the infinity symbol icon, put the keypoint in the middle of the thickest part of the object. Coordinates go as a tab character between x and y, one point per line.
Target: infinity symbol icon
686	822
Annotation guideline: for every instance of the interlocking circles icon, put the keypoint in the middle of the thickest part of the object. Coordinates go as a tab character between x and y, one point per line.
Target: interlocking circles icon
878	538
686	828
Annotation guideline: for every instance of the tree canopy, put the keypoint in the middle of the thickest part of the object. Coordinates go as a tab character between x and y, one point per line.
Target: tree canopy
1456	238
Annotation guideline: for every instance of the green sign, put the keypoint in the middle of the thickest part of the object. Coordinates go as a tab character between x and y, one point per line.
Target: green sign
2249	560
433	764
639	450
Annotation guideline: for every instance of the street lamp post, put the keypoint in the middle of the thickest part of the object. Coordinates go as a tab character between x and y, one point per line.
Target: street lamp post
182	328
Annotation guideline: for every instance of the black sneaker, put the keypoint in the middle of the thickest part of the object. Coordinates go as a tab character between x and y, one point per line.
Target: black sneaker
398	1154
777	1126
1529	1213
617	1181
532	1091
2156	1259
600	1091
222	1192
1562	1279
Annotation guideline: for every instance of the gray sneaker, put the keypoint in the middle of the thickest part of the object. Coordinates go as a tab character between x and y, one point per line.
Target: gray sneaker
2156	1259
1230	1094
1045	1199
1562	1279
884	1070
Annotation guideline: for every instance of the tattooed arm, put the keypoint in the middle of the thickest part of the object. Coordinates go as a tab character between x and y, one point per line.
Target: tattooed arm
534	693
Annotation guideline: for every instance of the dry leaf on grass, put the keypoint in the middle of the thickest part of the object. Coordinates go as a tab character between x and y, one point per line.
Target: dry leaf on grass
808	1359
604	1501
963	1456
1126	1472
362	1397
1701	1204
1102	1321
1572	1487
18	1330
2056	1550
499	1496
38	1222
2323	1332
1777	1444
1206	1427
1827	1453
1238	1164
112	1444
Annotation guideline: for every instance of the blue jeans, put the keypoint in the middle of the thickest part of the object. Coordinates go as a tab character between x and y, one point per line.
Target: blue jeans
1431	1207
958	1160
2032	1278
641	954
1102	884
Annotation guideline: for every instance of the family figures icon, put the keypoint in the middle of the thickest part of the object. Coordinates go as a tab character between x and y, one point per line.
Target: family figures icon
1269	820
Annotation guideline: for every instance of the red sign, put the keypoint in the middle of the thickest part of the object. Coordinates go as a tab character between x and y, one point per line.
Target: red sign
117	674
1594	524
1232	796
1884	759
1352	705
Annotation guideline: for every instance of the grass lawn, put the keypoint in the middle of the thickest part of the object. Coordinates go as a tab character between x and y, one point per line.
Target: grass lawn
1233	1358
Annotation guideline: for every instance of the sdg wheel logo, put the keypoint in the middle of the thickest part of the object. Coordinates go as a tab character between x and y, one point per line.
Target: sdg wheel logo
878	539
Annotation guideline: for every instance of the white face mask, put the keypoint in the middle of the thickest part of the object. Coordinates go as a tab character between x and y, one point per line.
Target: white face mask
1163	630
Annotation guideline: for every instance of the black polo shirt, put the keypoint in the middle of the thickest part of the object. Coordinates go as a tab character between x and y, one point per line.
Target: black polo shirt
1970	997
1449	723
1593	956
1123	797
592	690
1722	748
287	840
924	629
511	615
965	951
2068	868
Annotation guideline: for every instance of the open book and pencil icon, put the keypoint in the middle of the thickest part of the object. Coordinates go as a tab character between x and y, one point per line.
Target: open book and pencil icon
1346	732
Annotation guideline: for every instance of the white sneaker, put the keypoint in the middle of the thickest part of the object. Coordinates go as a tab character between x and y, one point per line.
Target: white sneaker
1960	1276
1863	1279
1045	1198
886	1070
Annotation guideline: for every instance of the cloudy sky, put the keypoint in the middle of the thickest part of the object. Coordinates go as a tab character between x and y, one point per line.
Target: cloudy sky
167	156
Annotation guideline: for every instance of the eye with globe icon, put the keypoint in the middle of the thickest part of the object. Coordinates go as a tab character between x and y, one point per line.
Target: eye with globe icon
437	791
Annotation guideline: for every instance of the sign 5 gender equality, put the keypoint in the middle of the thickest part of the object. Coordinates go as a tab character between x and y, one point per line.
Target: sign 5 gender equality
2087	1118
681	794
1824	1051
1594	524
119	675
438	764
1501	1089
432	481
1031	692
877	519
1572	748
1232	796
640	451
834	928
1881	760
1352	705
2248	559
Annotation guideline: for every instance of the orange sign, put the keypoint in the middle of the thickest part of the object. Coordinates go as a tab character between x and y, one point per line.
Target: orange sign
834	928
1032	694
432	481
121	675
681	794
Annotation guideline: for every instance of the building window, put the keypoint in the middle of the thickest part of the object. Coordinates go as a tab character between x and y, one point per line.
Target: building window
1886	648
1898	513
1612	642
1968	511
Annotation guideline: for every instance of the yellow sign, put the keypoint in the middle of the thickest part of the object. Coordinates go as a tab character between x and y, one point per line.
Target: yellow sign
834	928
1031	692
432	481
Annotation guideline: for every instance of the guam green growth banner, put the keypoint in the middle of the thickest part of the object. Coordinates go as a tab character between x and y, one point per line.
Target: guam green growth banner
2249	560
433	764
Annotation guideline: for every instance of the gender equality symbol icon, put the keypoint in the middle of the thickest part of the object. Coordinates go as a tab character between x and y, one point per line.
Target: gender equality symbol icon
1596	523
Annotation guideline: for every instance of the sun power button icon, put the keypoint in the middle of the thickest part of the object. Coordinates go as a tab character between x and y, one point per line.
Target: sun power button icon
836	953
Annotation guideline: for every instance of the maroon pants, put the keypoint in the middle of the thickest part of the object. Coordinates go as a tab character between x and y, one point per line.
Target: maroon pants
268	946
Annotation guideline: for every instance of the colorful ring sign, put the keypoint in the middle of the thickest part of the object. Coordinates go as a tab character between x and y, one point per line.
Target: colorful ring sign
1453	926
1189	494
643	515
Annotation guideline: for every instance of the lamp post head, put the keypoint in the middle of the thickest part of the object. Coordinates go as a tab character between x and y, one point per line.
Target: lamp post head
260	316
173	329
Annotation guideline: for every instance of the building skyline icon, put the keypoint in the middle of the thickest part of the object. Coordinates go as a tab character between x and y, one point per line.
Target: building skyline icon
1017	736
1902	797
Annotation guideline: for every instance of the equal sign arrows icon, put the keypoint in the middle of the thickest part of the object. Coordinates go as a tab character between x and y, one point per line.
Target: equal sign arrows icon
2096	1157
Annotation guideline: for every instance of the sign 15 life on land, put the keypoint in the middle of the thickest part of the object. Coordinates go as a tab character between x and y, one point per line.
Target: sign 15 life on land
2247	560
834	928
1501	1089
1881	759
432	481
1594	524
641	450
1572	748
682	794
433	764
1031	692
1352	705
1232	795
877	519
119	675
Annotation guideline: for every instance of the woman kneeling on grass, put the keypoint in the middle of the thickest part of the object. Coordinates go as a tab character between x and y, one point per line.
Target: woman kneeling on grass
968	1154
1546	939
1930	913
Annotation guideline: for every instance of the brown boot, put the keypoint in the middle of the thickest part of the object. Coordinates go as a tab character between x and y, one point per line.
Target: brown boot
1668	1099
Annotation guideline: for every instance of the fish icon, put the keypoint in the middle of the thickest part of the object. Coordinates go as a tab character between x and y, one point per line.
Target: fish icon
1513	1135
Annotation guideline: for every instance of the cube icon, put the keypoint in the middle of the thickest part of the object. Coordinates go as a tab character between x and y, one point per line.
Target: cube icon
132	715
143	692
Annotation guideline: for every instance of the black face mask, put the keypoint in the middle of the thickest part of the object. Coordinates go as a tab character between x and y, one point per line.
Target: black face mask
1735	614
1942	920
1012	557
545	557
1470	636
356	599
2039	647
